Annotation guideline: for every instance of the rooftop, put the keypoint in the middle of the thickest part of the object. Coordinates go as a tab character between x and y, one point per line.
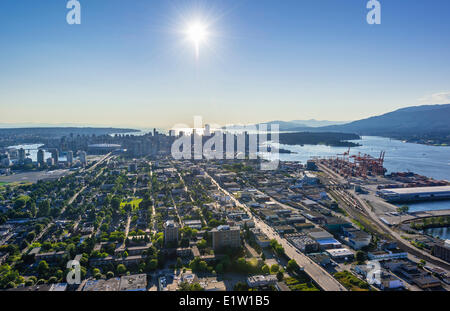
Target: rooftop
418	190
339	252
136	282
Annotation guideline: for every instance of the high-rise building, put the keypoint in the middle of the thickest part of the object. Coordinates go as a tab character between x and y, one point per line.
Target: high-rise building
55	156
132	168
207	130
226	236
70	157
13	153
50	162
170	232
83	157
40	157
6	161
22	155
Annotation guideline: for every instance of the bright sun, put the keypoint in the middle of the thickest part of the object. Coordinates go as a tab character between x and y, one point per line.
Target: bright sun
197	33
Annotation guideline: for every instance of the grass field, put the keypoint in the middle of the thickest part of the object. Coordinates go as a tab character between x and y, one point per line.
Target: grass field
134	202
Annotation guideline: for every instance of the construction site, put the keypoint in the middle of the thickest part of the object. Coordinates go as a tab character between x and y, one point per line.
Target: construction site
360	165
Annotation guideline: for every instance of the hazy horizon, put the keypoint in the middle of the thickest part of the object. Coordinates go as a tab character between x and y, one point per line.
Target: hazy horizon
129	65
39	125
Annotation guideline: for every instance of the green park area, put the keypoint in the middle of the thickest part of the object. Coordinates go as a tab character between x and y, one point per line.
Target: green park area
351	282
297	284
134	202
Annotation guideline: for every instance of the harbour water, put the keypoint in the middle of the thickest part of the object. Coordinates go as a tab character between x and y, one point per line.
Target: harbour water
32	150
441	233
425	160
428	206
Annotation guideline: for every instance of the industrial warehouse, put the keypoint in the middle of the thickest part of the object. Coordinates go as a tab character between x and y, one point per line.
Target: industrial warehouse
416	194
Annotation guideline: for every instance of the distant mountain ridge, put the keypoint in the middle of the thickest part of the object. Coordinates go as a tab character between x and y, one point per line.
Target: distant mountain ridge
296	125
63	131
417	120
427	124
317	123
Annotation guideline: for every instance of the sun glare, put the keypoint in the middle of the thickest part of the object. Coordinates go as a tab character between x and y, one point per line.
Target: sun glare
197	33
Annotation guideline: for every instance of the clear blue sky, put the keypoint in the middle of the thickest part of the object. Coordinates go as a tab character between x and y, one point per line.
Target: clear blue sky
128	64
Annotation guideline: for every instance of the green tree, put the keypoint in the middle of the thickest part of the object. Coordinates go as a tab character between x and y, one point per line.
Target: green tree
265	269
121	269
30	236
43	268
422	263
20	202
152	265
403	209
44	209
241	287
11	285
109	275
219	268
293	266
274	268
202	244
360	256
29	282
115	202
179	263
186	287
160	241
280	276
241	265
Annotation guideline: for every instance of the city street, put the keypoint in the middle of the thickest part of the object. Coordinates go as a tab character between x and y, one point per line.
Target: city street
317	273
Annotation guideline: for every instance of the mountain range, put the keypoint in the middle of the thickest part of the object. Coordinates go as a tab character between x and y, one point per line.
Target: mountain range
429	124
430	118
297	124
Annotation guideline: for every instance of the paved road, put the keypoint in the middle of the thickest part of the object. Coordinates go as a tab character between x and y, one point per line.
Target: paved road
316	272
127	227
106	157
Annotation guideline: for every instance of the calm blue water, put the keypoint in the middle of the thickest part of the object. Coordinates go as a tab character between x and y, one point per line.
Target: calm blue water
33	150
428	206
441	233
400	157
425	160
